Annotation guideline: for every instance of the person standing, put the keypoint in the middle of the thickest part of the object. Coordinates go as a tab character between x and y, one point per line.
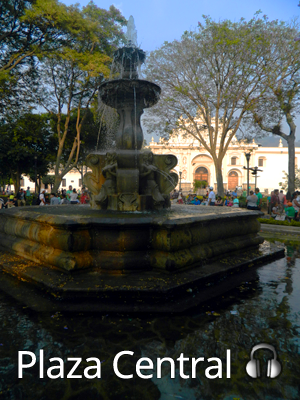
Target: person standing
211	197
21	198
42	198
259	197
68	192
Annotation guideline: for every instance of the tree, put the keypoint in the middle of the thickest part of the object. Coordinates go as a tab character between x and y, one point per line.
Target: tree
209	81
284	184
280	101
21	140
70	78
29	28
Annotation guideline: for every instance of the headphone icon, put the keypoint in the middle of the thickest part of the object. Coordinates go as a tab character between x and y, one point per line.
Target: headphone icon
253	367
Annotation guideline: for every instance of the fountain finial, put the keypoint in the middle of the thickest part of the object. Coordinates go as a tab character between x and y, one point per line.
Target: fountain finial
131	34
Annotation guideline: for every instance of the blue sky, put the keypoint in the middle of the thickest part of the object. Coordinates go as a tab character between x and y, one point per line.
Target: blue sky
158	21
165	20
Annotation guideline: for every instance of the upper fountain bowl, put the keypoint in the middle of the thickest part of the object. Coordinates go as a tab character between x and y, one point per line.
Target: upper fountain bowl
129	58
130	92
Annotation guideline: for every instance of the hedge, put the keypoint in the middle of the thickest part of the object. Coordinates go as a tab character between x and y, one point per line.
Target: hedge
274	222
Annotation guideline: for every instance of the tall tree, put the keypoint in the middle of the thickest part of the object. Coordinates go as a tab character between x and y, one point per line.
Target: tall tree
28	28
209	81
280	102
70	78
26	146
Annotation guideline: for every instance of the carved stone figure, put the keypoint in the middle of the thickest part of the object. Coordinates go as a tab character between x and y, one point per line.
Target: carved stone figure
148	171
109	186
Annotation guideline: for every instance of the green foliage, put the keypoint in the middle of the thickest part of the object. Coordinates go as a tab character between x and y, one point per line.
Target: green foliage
71	75
284	184
199	184
48	180
28	29
21	140
274	222
209	79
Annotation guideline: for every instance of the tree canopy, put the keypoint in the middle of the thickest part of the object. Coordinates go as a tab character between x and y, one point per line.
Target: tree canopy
210	81
69	76
26	143
280	100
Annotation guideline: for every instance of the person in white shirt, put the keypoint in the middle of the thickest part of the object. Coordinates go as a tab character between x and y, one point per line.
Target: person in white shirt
211	197
73	197
42	198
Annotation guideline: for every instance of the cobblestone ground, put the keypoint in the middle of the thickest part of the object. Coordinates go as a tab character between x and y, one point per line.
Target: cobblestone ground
266	310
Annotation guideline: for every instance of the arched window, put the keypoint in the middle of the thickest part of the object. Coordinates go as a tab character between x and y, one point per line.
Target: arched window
234	160
201	174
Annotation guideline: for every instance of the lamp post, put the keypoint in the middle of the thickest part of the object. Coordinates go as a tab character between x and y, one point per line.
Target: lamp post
35	158
248	155
180	173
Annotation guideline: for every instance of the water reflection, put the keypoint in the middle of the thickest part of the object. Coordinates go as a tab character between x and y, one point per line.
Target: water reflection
266	309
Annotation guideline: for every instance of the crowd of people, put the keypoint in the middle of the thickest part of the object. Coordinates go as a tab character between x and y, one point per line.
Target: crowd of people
70	196
284	206
210	199
280	206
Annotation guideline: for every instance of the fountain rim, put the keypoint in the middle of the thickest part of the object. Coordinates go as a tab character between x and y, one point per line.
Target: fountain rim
133	82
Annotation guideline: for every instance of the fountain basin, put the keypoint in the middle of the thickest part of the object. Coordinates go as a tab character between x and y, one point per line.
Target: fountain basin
131	261
76	238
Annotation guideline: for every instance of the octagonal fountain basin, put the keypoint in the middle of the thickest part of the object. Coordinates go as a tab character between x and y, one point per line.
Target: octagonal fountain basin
131	261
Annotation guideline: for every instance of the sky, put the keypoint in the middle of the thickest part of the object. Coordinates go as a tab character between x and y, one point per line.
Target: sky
158	21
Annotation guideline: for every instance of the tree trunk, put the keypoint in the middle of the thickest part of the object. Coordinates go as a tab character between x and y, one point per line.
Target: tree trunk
16	180
219	176
291	167
57	182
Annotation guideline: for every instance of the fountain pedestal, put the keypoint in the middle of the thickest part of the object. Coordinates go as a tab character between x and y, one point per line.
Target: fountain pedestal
130	180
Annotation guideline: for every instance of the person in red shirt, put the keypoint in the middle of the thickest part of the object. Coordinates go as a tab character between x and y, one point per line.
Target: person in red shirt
84	198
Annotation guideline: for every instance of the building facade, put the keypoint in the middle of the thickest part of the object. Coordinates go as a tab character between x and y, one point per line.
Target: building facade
195	163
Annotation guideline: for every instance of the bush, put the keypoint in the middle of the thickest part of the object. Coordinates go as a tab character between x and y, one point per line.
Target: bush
199	184
275	222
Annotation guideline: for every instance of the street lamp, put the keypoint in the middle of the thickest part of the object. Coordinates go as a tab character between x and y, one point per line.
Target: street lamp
180	173
248	155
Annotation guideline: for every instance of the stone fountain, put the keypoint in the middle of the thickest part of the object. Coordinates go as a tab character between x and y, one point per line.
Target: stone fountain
129	251
129	178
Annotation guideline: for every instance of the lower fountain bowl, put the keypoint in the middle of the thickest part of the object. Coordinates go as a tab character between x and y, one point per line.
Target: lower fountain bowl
109	261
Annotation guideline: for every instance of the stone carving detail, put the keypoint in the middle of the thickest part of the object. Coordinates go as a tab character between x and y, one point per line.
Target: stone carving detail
128	202
148	171
109	186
